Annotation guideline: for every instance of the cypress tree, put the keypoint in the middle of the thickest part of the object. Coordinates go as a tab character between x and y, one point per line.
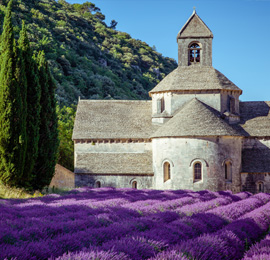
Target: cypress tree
21	86
53	141
11	109
33	104
48	133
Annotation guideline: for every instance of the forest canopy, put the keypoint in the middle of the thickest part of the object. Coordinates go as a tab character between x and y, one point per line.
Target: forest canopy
87	57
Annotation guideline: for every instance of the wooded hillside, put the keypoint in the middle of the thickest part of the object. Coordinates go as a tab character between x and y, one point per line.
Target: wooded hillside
87	57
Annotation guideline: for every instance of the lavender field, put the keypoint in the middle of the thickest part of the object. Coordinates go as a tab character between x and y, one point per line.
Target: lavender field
121	224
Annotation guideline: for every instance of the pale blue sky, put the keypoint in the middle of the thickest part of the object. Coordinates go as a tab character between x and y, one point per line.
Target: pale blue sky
241	31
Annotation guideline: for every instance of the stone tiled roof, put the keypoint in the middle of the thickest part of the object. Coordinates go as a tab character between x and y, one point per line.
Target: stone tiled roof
195	78
256	160
112	119
196	119
255	118
194	27
114	163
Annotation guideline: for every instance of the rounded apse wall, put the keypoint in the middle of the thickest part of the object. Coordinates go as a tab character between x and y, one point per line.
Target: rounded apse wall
183	154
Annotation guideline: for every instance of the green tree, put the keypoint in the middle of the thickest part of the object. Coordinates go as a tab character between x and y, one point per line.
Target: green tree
90	7
48	133
22	89
113	24
12	117
33	103
100	16
66	116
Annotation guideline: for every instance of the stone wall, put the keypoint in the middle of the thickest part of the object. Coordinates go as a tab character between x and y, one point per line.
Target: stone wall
174	101
225	95
183	153
117	148
255	176
63	178
117	181
256	182
206	52
256	143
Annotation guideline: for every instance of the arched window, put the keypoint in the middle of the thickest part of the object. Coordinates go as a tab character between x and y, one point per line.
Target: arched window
166	171
194	53
134	185
197	171
98	184
260	187
228	171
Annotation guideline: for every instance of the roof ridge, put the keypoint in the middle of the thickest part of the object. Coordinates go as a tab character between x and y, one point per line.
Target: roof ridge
195	78
109	119
183	106
114	100
194	13
187	122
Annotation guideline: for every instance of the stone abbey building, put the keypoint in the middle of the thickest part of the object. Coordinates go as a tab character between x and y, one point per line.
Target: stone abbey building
194	133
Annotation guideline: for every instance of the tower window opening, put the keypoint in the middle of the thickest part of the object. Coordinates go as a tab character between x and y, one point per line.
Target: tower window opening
197	172
194	53
166	171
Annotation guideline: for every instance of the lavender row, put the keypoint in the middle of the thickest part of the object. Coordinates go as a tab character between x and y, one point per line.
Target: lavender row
63	242
51	231
64	217
149	207
93	254
191	201
171	232
172	229
50	227
94	198
229	242
233	211
52	235
163	233
259	251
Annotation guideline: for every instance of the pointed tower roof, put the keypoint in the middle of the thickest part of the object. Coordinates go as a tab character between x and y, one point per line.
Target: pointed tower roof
196	119
194	27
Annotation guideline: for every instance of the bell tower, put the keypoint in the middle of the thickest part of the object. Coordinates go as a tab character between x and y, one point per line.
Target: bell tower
195	43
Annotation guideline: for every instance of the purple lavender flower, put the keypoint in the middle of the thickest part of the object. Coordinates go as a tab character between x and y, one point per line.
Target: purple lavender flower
93	255
260	250
109	223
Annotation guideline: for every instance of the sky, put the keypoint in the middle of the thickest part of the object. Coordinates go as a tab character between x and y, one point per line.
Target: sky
241	30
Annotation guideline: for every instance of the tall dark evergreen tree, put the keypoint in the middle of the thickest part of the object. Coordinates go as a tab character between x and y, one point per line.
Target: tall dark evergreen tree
22	89
48	133
33	104
12	125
